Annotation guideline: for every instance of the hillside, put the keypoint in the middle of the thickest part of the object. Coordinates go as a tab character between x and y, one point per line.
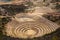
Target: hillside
49	9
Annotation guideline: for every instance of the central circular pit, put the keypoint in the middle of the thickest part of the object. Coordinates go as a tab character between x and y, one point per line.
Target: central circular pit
30	32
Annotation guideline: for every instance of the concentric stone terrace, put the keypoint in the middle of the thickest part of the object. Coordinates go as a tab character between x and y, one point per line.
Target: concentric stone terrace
30	29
